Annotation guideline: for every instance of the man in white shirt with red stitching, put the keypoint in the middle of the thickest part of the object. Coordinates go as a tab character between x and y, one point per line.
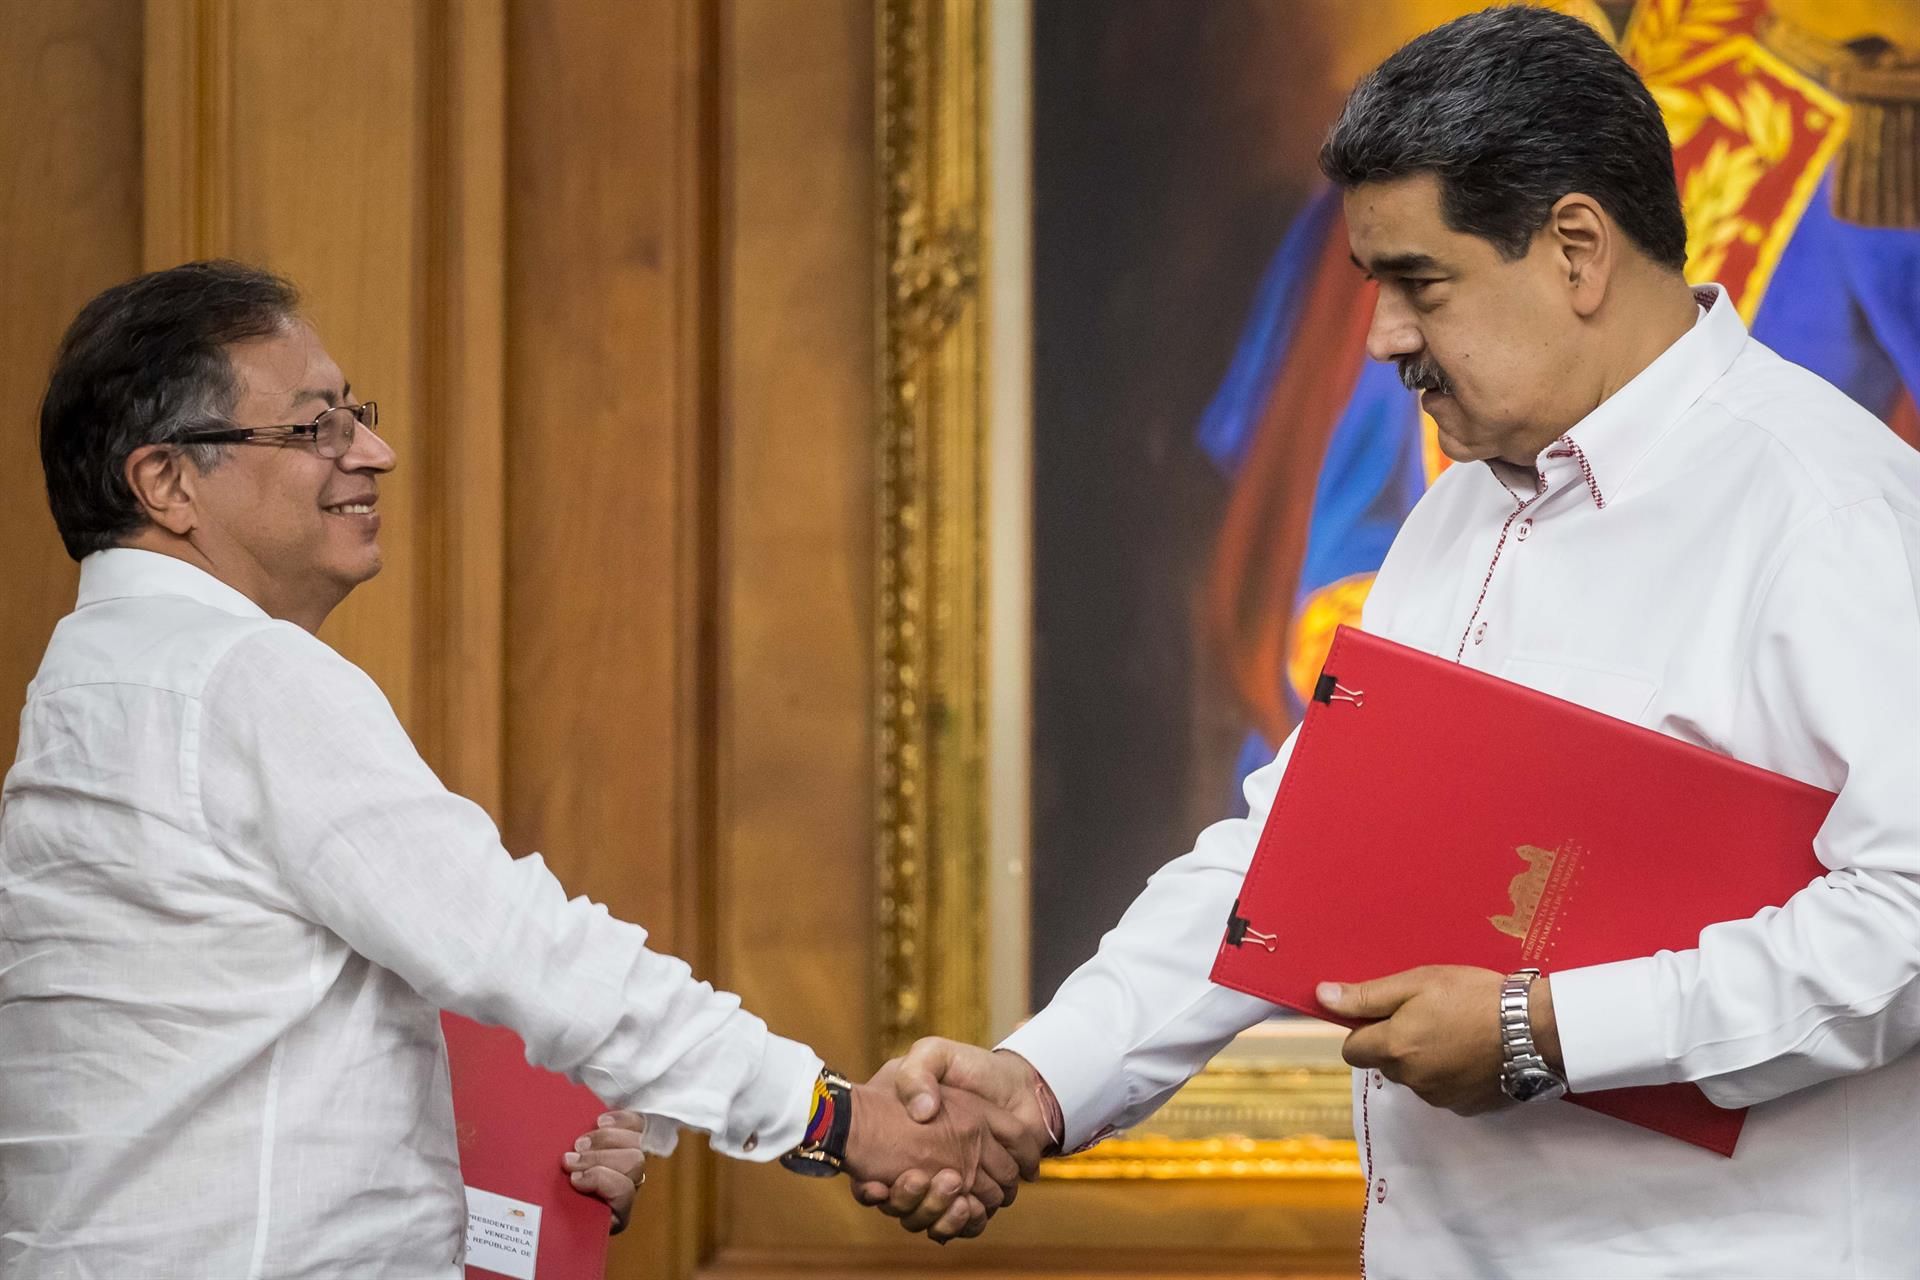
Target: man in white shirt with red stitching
233	898
1660	519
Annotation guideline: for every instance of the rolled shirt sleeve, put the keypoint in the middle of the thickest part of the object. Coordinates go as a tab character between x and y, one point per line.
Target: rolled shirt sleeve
1134	1023
304	766
1826	985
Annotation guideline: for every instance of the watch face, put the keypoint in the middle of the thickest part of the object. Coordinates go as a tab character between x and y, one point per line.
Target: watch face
1532	1085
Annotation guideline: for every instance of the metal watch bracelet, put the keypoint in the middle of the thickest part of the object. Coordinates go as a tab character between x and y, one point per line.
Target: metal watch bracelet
1525	1075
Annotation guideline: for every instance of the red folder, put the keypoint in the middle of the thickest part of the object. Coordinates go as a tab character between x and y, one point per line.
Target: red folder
1433	814
514	1122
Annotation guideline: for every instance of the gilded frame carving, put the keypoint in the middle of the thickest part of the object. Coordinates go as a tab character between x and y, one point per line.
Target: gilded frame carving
929	660
1276	1105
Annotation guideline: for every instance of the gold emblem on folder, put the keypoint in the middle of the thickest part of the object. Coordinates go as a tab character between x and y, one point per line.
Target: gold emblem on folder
1525	890
1537	896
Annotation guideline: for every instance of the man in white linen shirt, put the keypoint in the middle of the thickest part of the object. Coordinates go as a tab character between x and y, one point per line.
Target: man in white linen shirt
233	898
1655	516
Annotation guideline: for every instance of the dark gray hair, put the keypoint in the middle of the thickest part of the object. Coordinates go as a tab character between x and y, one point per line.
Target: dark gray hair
141	363
1510	109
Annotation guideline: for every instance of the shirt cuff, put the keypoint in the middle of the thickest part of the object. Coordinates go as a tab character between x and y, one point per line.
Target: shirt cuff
661	1137
771	1113
1610	1029
1066	1050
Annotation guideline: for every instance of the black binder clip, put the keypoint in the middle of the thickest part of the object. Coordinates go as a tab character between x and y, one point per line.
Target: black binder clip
1329	690
1240	930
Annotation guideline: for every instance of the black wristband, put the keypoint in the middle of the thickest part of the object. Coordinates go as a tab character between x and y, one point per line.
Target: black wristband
823	1150
835	1144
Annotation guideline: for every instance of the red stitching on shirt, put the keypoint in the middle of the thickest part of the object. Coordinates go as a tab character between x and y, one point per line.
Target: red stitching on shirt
1488	580
1564	447
1568	447
1366	1140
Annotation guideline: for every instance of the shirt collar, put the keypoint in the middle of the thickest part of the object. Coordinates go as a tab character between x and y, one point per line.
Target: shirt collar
120	572
1607	444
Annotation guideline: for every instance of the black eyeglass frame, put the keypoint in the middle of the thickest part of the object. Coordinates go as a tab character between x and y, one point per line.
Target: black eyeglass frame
365	414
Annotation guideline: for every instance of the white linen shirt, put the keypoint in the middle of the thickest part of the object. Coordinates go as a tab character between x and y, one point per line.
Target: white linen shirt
1728	551
232	900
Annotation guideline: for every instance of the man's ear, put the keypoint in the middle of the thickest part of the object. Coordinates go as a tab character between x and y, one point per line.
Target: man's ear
1586	244
163	483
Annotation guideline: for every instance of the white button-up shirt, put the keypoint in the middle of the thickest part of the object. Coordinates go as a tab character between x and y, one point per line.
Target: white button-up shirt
1728	551
232	900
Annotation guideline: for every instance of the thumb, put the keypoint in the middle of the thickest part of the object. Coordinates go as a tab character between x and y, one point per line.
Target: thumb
1016	1140
921	1071
1376	999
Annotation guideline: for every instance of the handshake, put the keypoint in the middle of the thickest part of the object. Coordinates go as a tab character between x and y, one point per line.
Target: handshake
942	1138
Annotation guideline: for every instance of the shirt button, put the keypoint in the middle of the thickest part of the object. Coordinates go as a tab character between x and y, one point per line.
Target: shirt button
1380	1191
1480	633
1526	527
1379	1081
753	1140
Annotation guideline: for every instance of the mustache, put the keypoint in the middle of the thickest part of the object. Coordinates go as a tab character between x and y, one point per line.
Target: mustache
1423	373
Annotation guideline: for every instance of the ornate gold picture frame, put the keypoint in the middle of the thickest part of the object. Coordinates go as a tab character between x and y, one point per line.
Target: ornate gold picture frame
1276	1104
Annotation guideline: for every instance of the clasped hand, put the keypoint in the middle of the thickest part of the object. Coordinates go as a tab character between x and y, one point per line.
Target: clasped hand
983	1101
959	1150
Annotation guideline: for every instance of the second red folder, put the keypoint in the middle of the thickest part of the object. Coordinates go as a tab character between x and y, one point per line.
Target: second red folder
1433	814
525	1219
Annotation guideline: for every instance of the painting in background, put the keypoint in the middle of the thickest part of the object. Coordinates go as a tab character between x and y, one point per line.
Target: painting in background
1218	470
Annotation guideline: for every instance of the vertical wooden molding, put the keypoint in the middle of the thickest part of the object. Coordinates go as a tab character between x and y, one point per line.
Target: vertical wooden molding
70	144
187	210
698	143
460	649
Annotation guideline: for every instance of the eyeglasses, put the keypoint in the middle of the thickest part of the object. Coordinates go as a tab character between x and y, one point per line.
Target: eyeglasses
331	433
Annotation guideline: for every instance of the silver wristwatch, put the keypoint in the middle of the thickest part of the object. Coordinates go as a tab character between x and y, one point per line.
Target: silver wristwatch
1524	1074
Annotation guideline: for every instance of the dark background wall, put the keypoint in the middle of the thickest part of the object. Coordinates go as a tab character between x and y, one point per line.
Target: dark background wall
1172	144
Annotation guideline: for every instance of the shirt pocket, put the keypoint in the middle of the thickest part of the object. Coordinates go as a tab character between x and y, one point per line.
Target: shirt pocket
1620	694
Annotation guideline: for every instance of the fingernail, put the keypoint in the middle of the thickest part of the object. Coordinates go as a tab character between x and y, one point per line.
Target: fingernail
573	1159
576	1176
921	1108
1328	994
582	1143
608	1121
